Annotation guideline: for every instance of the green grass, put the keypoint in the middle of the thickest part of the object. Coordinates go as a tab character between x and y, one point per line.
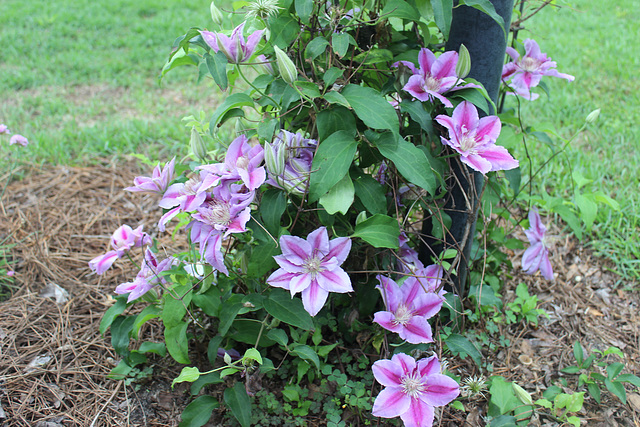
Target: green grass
79	79
597	42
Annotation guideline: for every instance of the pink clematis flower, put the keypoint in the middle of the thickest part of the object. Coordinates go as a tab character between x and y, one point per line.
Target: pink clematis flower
185	197
525	72
312	266
241	162
157	183
412	389
18	139
475	139
288	159
147	278
122	241
536	257
435	77
4	129
235	48
410	305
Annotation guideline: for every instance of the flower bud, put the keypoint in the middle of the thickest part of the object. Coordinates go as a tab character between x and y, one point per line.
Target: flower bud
274	159
286	66
216	15
464	62
227	358
197	145
522	394
593	116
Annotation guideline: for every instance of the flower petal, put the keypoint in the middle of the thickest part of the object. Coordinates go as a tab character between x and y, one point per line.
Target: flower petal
391	402
280	279
419	414
295	249
313	298
386	319
339	248
387	372
476	162
445	65
499	158
319	240
440	390
417	330
334	281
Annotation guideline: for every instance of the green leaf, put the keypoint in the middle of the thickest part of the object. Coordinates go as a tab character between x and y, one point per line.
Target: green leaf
217	65
409	159
374	56
176	339
372	108
267	128
188	374
334	97
114	311
474	96
174	309
442	13
504	421
544	403
228	314
120	333
290	310
340	43
304	8
487	7
614	369
284	29
212	349
209	301
238	401
617	388
120	372
339	198
279	336
235	100
150	312
334	119
331	162
588	210
380	231
315	48
460	345
247	331
372	194
578	352
307	353
204	380
502	395
252	354
153	347
261	261
309	89
570	370
331	75
198	412
400	9
418	114
272	206
594	391
629	378
514	177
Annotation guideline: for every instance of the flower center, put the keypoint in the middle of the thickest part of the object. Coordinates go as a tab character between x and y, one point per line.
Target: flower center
529	64
312	266
468	144
191	187
412	385
402	315
242	162
217	213
433	84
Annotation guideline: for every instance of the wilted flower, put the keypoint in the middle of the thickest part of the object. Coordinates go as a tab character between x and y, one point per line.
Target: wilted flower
525	72
18	139
159	181
412	389
410	305
536	257
148	277
435	76
235	48
475	139
288	159
122	241
312	266
409	261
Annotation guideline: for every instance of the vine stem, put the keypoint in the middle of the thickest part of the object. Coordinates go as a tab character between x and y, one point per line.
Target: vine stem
275	104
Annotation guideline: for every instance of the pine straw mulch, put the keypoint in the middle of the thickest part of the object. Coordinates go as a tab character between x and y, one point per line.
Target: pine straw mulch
54	362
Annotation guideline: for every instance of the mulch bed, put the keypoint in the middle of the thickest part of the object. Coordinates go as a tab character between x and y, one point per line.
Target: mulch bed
54	362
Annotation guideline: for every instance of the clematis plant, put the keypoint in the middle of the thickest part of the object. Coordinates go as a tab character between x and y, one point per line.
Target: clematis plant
525	72
235	47
412	389
122	241
157	183
536	257
312	267
475	139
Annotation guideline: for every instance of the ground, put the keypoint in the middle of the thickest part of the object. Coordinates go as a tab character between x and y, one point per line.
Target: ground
54	361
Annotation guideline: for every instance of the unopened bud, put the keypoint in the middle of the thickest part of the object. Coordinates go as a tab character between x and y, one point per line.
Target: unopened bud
197	145
226	358
593	116
464	62
216	15
522	394
274	159
286	66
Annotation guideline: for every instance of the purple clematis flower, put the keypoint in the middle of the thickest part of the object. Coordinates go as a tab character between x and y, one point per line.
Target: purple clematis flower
4	129
18	139
525	72
475	139
185	197
410	305
227	209
122	241
235	48
288	159
157	183
242	162
312	266
536	257
147	278
435	77
412	389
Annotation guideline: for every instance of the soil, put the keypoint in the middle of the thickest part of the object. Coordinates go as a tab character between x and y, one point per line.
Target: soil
54	362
